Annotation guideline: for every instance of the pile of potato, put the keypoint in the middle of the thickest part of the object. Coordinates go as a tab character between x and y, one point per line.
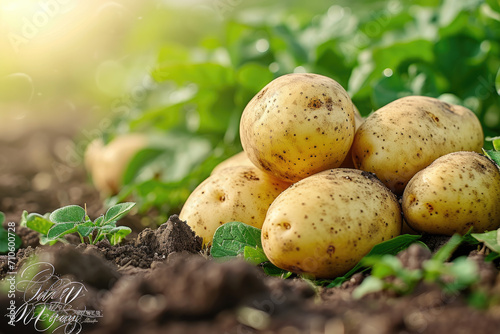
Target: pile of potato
326	185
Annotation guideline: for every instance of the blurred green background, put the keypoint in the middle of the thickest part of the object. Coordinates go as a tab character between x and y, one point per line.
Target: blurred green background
183	71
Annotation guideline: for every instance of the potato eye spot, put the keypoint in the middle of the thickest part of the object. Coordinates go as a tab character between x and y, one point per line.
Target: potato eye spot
429	207
330	250
287	226
315	103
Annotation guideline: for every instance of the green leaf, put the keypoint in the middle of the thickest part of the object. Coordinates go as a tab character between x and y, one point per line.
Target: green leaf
2	217
491	257
85	229
36	222
4	240
118	211
391	247
445	252
369	285
271	270
231	238
383	266
493	155
61	229
99	220
254	255
68	214
490	239
118	234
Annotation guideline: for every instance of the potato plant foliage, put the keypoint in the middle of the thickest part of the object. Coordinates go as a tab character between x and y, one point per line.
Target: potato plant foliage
378	51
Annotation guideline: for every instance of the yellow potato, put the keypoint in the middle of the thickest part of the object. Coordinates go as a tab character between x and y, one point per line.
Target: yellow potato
107	163
407	135
240	193
298	125
239	159
456	192
324	224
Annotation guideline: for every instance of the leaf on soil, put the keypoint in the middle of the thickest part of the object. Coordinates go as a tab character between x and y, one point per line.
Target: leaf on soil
231	238
118	234
447	249
370	284
255	256
391	247
118	211
68	214
490	239
271	270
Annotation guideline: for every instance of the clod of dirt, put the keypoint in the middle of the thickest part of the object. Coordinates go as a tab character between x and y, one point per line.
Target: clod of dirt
487	271
173	236
434	242
87	267
187	288
414	256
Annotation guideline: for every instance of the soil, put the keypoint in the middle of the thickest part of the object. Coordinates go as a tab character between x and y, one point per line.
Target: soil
161	281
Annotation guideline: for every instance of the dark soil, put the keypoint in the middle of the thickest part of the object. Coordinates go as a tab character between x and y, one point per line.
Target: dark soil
161	281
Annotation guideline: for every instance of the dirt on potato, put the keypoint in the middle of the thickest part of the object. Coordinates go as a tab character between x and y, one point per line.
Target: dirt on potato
161	281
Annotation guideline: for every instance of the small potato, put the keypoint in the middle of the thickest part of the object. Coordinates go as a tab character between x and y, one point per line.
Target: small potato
407	135
240	193
239	159
298	125
324	224
456	192
107	163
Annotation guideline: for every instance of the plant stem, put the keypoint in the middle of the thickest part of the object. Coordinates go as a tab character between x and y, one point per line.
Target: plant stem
81	238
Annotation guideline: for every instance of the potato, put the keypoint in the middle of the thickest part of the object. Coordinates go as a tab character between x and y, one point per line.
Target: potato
298	125
107	163
239	159
407	135
324	224
456	192
240	193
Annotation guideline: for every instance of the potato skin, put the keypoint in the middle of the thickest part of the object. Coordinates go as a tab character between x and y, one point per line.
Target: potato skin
324	224
239	159
240	193
456	192
407	135
298	125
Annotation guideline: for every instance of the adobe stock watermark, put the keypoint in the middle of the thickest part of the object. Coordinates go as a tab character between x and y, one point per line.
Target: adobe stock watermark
223	8
46	301
32	25
120	107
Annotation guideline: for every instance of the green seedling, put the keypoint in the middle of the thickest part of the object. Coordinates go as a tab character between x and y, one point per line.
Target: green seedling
74	219
451	276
